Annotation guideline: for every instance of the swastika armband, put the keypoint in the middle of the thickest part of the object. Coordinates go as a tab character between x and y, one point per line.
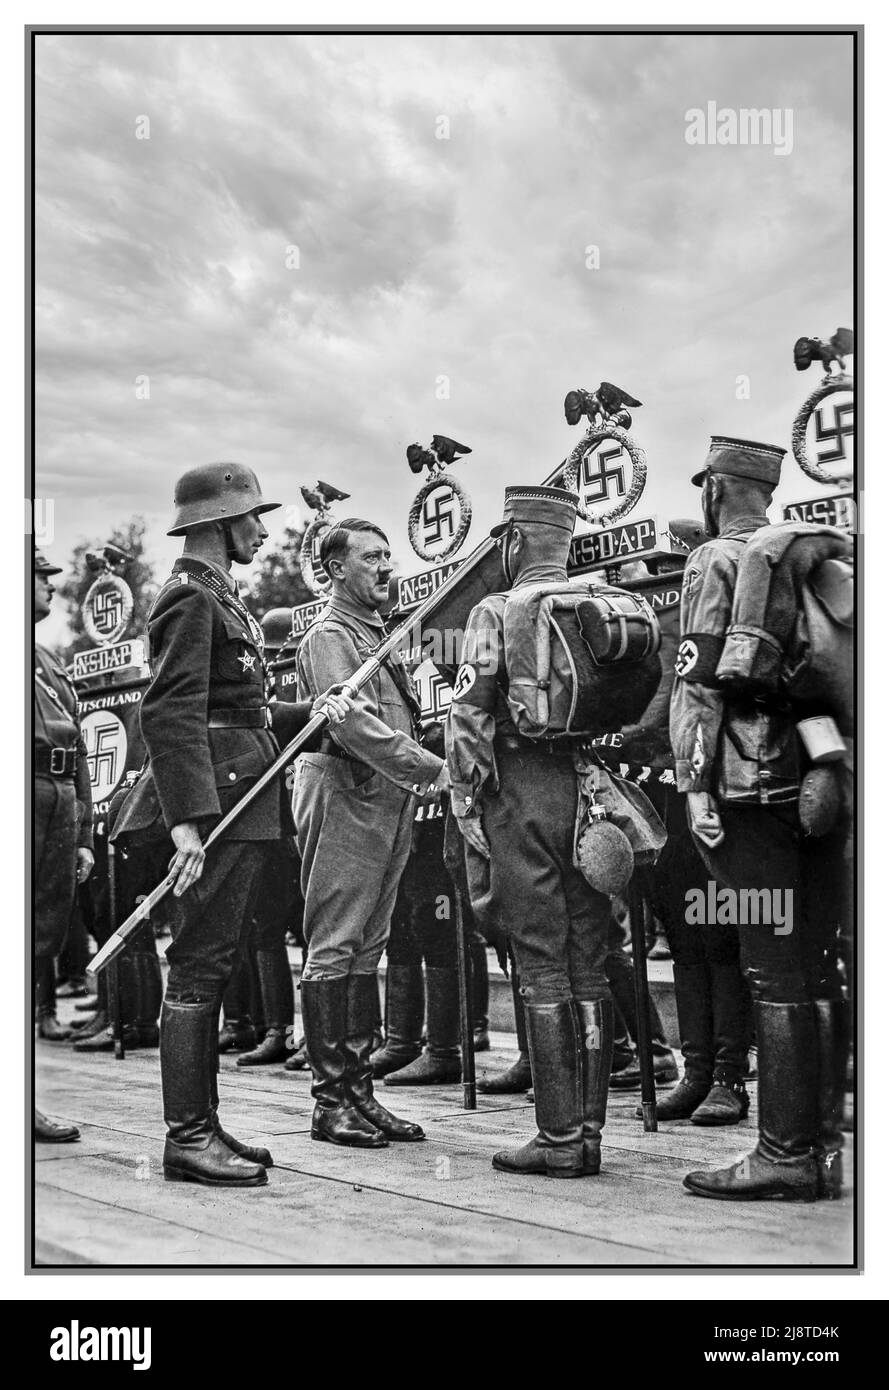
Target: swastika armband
475	686
698	657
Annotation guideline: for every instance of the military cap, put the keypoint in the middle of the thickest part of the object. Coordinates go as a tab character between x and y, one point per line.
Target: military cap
543	506
42	565
742	458
216	492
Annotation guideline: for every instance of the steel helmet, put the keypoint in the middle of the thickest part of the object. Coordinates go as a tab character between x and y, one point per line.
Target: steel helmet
685	535
216	492
277	628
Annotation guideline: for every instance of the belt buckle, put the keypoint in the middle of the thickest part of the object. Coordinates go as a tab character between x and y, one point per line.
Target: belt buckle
57	761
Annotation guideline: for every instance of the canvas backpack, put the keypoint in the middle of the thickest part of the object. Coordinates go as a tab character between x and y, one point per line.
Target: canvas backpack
580	658
792	633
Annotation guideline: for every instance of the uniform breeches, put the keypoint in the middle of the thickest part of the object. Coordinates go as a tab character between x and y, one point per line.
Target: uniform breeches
55	862
557	924
792	957
209	924
354	836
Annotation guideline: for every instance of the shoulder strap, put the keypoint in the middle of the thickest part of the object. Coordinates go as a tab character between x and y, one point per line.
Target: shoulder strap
395	669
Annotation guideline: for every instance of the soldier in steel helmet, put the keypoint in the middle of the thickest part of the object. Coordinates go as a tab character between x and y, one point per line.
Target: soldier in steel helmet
63	826
515	804
738	763
207	727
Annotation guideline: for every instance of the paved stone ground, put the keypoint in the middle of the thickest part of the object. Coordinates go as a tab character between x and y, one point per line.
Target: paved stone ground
103	1201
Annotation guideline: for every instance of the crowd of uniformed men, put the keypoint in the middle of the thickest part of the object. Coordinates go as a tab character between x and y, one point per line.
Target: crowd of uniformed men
352	863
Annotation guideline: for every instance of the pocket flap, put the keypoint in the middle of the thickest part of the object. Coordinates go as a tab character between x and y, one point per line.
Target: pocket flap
235	769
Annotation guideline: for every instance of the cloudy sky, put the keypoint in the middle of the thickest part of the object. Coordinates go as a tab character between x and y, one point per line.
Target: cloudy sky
419	258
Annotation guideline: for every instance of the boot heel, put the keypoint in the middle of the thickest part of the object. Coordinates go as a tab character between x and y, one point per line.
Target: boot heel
175	1175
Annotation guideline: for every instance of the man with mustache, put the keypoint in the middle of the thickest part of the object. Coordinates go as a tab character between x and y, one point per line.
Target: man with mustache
354	808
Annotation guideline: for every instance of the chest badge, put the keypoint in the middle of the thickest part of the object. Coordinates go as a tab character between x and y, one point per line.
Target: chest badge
248	662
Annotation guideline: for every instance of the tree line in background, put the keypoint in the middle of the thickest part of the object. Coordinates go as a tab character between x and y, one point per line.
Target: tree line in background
274	581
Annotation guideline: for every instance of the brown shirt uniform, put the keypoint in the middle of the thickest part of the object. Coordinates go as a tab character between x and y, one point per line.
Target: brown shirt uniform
353	801
739	750
63	820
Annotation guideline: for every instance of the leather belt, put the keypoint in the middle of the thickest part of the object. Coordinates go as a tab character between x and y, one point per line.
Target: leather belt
237	719
55	762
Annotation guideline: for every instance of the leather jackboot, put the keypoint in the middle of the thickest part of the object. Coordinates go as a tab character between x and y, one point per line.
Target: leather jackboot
253	1153
481	990
362	1001
237	1033
297	1060
782	1167
517	1078
48	1026
404	1017
439	1063
556	1045
596	1017
90	1009
832	1020
336	1119
98	1039
194	1150
149	992
694	1012
276	990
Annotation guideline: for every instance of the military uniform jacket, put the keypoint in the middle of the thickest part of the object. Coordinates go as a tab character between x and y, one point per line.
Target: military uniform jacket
741	750
56	726
206	661
381	729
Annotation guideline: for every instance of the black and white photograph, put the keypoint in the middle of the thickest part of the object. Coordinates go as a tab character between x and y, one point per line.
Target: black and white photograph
443	845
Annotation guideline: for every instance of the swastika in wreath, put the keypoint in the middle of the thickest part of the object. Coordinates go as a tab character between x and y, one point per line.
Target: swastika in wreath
438	517
596	477
587	469
822	452
107	608
833	425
